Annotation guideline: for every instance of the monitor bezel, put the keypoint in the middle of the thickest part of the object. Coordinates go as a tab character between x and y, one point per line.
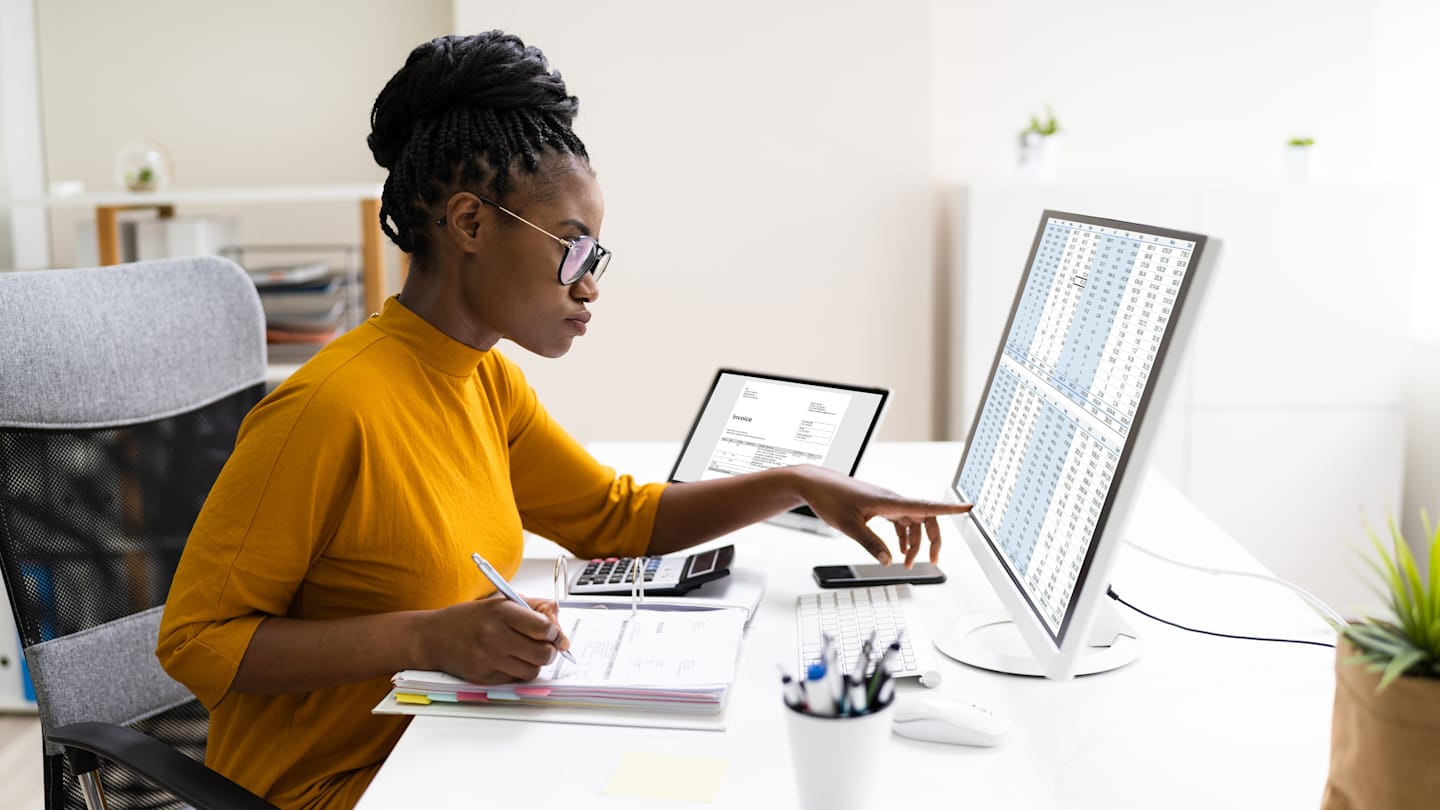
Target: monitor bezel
1119	497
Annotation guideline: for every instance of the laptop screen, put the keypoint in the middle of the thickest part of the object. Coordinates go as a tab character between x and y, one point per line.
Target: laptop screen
751	422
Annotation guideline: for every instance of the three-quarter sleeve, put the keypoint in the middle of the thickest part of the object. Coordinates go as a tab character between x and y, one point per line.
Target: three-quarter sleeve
256	536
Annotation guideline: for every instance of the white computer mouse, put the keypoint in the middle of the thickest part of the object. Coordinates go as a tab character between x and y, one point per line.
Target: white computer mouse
947	721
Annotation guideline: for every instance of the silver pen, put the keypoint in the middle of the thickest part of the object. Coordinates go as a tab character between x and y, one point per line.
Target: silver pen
504	587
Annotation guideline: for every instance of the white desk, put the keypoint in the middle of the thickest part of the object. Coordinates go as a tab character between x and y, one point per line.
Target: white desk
1196	722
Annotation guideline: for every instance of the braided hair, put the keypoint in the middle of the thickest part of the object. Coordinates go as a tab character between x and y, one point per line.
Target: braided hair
464	113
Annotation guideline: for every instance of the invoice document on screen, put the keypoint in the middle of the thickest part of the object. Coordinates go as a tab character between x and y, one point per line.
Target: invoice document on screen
774	425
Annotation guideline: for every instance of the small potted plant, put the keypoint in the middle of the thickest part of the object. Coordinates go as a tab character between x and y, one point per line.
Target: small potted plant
143	165
1385	733
1040	146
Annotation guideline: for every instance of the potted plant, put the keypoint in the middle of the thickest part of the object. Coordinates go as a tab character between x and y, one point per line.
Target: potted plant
1040	146
1385	733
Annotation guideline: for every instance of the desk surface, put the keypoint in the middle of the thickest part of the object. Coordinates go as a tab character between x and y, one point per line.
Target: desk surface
1196	722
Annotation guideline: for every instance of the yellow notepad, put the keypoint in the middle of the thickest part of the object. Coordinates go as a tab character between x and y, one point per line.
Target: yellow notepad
667	776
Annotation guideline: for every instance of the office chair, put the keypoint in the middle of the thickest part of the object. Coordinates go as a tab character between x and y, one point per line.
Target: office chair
121	392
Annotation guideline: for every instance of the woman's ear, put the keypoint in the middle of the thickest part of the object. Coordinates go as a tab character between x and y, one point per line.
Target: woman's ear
463	220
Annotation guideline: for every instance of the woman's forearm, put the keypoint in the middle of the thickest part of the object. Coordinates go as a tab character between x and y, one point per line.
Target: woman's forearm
300	655
691	513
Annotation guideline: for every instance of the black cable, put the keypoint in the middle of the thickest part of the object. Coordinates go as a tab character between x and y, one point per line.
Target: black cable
1111	593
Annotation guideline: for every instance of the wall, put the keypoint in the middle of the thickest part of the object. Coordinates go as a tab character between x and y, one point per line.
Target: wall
265	92
1155	89
1405	122
766	172
22	229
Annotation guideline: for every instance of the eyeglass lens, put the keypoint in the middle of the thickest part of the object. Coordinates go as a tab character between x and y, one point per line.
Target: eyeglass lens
583	256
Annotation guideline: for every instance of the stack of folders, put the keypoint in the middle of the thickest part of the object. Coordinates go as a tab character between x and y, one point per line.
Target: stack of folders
303	303
648	660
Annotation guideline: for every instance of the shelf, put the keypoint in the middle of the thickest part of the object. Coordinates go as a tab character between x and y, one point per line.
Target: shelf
109	204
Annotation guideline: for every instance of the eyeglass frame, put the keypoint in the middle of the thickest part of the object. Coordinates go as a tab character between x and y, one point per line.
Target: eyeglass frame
601	256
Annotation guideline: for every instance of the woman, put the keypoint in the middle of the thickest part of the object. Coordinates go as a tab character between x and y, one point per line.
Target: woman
334	549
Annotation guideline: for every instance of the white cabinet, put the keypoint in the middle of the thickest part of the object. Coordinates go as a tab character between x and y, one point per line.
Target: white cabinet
1288	426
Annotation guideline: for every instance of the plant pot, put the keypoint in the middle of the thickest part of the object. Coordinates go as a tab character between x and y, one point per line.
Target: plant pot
1385	747
1297	163
1040	156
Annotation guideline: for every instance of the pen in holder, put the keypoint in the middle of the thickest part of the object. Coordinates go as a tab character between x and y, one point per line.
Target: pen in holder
838	724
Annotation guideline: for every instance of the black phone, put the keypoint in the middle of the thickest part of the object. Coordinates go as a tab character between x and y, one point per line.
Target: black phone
856	576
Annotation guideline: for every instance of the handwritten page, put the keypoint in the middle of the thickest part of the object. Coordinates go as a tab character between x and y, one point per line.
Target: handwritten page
650	648
655	660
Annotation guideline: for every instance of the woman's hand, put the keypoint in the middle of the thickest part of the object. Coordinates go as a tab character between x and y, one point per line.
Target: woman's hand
493	640
848	505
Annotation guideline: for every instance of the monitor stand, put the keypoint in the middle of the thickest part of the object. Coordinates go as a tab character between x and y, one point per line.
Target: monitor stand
989	640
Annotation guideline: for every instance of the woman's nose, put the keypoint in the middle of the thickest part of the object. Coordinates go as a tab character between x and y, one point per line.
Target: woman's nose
587	289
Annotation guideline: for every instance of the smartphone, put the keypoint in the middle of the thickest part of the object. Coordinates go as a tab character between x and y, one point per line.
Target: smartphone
856	576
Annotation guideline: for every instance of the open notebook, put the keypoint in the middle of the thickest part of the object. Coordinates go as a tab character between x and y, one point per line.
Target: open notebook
653	667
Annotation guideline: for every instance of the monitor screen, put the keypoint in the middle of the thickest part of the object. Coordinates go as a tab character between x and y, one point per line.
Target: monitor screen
1067	392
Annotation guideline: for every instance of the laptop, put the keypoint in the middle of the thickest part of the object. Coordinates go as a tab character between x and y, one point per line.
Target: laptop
750	422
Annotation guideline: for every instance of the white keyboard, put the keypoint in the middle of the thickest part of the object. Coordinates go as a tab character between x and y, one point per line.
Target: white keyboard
849	615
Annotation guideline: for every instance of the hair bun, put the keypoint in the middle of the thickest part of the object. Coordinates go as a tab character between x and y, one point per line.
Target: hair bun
492	70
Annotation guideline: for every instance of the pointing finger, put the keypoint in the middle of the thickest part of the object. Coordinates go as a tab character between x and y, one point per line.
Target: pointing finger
932	529
918	510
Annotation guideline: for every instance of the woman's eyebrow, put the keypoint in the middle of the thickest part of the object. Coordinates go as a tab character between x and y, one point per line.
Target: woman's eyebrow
578	225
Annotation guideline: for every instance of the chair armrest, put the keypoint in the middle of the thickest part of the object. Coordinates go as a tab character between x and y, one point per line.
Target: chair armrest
159	763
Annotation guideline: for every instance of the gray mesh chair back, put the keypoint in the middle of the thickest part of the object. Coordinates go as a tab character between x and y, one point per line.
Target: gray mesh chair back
121	392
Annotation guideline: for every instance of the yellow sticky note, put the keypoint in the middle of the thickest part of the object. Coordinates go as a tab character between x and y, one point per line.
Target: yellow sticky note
667	776
406	697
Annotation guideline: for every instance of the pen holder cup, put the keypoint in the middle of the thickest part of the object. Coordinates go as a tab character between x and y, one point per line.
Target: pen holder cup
839	760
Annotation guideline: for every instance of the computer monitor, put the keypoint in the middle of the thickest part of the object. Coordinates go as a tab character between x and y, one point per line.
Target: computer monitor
1058	443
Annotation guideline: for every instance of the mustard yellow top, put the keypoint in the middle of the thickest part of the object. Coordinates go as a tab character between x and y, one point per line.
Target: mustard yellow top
362	485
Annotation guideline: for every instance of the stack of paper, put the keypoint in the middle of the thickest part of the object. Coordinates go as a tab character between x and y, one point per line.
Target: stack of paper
665	661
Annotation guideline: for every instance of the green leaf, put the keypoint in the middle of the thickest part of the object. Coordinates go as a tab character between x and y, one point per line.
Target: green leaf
1408	642
1388	572
1398	665
1376	637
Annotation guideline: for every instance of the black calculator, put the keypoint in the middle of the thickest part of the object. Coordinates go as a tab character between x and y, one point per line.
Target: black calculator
663	576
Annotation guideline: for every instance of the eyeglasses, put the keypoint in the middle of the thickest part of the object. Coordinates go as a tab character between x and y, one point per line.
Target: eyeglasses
582	254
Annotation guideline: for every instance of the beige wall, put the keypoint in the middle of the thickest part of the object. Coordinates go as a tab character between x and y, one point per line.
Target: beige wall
261	92
766	172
